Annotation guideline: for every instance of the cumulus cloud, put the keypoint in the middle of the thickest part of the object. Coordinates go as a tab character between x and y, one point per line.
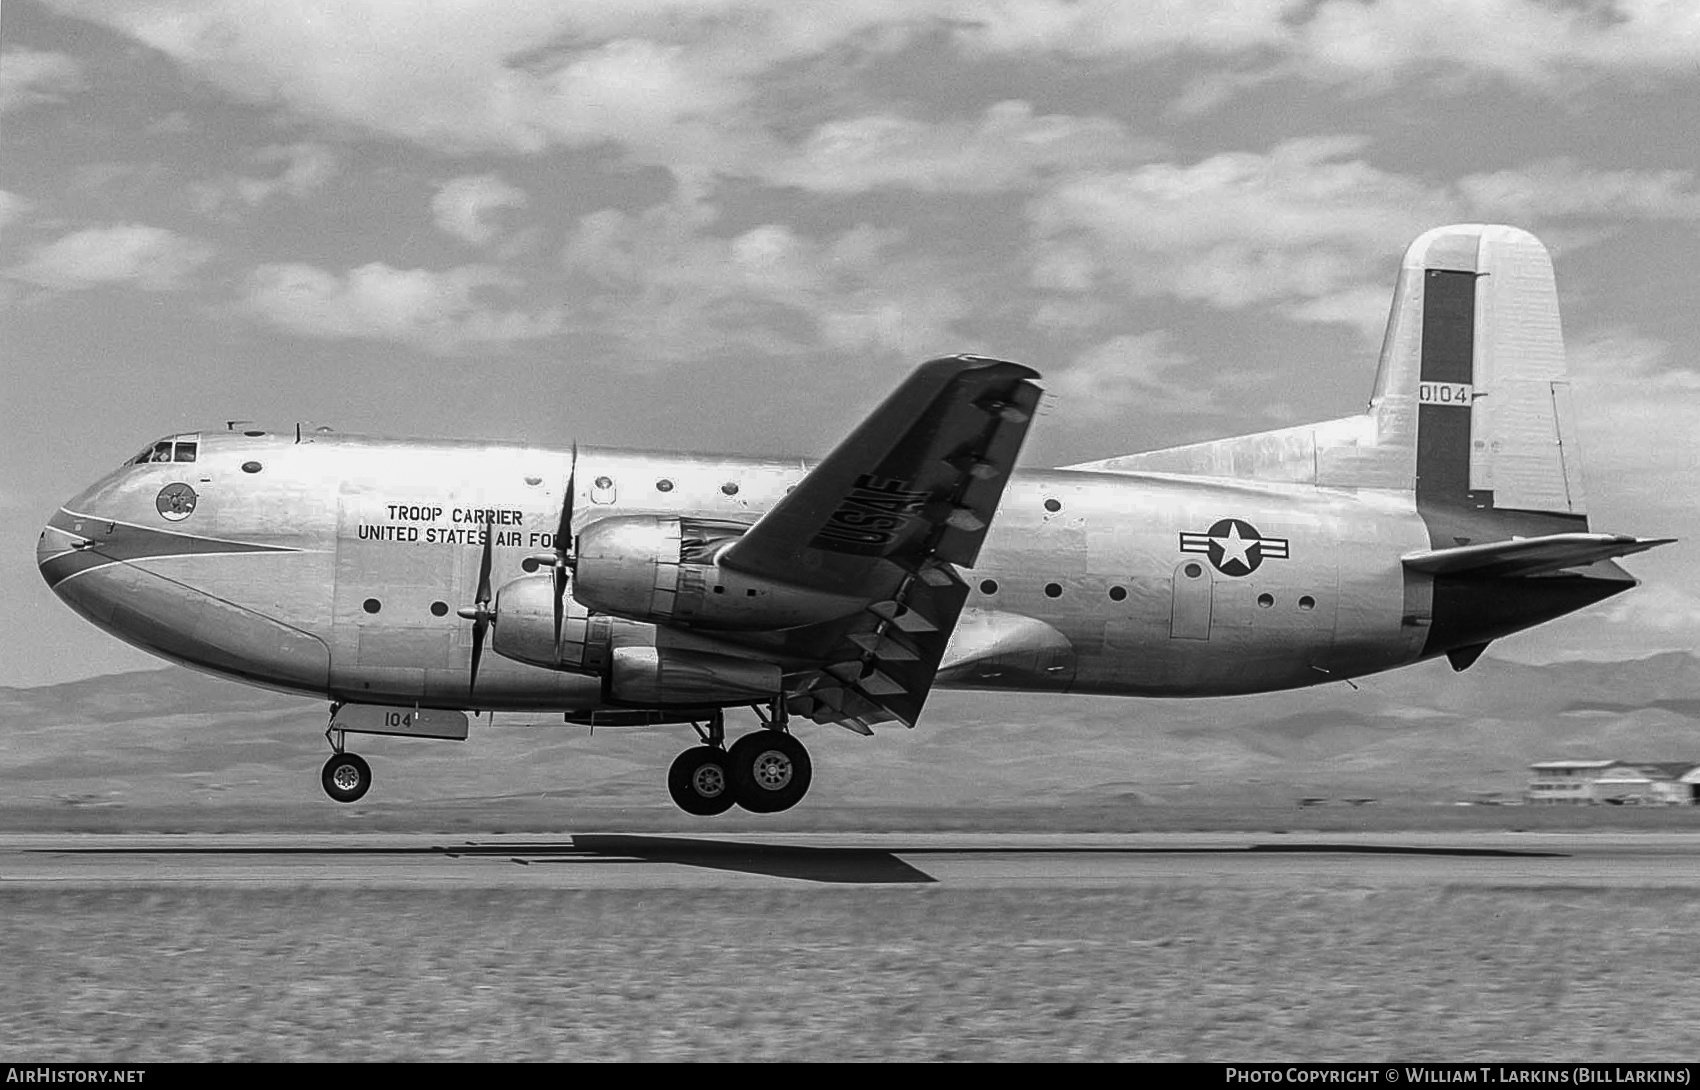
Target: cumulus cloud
1006	148
1137	372
1529	42
301	170
149	258
1638	406
1533	43
1561	188
691	85
465	207
665	279
1310	229
440	312
11	207
32	76
1299	223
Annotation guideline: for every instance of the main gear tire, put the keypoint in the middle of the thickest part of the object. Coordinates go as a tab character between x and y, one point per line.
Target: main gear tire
771	771
700	781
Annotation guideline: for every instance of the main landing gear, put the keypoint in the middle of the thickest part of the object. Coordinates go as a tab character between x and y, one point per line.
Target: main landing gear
346	776
764	772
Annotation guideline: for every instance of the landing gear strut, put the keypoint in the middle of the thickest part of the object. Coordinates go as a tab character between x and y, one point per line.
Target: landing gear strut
346	776
764	772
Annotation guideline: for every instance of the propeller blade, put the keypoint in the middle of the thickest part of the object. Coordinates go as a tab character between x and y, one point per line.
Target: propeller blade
564	543
479	613
479	627
560	599
563	537
483	597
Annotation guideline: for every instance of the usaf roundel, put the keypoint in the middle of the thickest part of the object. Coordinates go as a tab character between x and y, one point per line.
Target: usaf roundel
1234	546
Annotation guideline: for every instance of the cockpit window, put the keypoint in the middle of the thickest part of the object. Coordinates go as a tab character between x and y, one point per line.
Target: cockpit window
176	448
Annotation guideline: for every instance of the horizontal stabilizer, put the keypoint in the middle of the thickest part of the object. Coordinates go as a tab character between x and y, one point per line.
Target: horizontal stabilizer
1529	555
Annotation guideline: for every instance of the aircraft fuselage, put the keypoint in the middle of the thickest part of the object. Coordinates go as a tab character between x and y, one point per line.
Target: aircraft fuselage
335	566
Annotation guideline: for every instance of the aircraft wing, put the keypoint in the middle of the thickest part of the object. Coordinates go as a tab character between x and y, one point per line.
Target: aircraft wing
886	517
1530	555
917	482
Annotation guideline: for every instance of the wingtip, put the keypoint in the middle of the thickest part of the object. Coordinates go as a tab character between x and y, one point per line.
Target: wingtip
968	361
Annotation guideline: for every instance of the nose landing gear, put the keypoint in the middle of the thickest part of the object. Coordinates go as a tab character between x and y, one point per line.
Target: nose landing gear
346	776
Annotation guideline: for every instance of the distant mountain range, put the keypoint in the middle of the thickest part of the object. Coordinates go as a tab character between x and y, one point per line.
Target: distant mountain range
174	737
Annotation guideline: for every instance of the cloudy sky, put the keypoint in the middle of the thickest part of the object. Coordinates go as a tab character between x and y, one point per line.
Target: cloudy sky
733	224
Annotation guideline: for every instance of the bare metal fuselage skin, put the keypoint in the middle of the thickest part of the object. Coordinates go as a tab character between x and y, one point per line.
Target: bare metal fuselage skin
334	565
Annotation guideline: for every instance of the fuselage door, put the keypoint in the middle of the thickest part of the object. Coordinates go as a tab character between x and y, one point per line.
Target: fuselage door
1194	596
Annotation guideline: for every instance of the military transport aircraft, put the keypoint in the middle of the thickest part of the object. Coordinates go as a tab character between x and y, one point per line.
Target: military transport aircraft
410	581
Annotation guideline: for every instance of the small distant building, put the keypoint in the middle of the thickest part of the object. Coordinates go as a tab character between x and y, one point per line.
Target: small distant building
1586	782
1564	783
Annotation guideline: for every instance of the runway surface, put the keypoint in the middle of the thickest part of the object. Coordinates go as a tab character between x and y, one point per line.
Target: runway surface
707	860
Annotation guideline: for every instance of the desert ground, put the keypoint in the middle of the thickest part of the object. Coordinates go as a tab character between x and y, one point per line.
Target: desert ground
1350	967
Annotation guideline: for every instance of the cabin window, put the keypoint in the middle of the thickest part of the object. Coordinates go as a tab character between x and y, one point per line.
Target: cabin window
371	605
664	485
1307	602
1265	600
439	609
1053	590
988	586
1053	506
251	467
1118	593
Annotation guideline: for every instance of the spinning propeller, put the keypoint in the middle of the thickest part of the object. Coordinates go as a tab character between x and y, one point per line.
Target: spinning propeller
482	613
565	558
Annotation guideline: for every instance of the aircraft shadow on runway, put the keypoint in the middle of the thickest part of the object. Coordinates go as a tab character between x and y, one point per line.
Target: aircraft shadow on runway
851	865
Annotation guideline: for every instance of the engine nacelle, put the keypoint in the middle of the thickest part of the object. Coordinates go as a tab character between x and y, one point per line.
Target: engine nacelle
525	628
663	569
621	650
661	676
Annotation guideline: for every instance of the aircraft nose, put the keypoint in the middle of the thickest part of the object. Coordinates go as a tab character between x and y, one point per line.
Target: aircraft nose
43	551
59	548
52	548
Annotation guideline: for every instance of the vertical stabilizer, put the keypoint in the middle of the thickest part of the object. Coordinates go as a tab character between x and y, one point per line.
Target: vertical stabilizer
1473	377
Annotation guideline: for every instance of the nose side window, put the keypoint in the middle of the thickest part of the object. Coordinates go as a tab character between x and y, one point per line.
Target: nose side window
186	452
161	451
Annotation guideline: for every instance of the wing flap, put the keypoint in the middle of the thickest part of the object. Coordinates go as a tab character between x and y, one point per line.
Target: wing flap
880	664
1530	555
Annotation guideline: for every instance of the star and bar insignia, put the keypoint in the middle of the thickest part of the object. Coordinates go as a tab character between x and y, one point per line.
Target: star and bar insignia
1234	546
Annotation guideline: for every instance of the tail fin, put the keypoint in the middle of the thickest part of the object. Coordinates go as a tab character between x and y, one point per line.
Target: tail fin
1471	409
1473	379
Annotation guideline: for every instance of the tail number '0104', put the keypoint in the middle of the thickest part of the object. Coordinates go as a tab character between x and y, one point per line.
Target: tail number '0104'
1445	393
398	719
